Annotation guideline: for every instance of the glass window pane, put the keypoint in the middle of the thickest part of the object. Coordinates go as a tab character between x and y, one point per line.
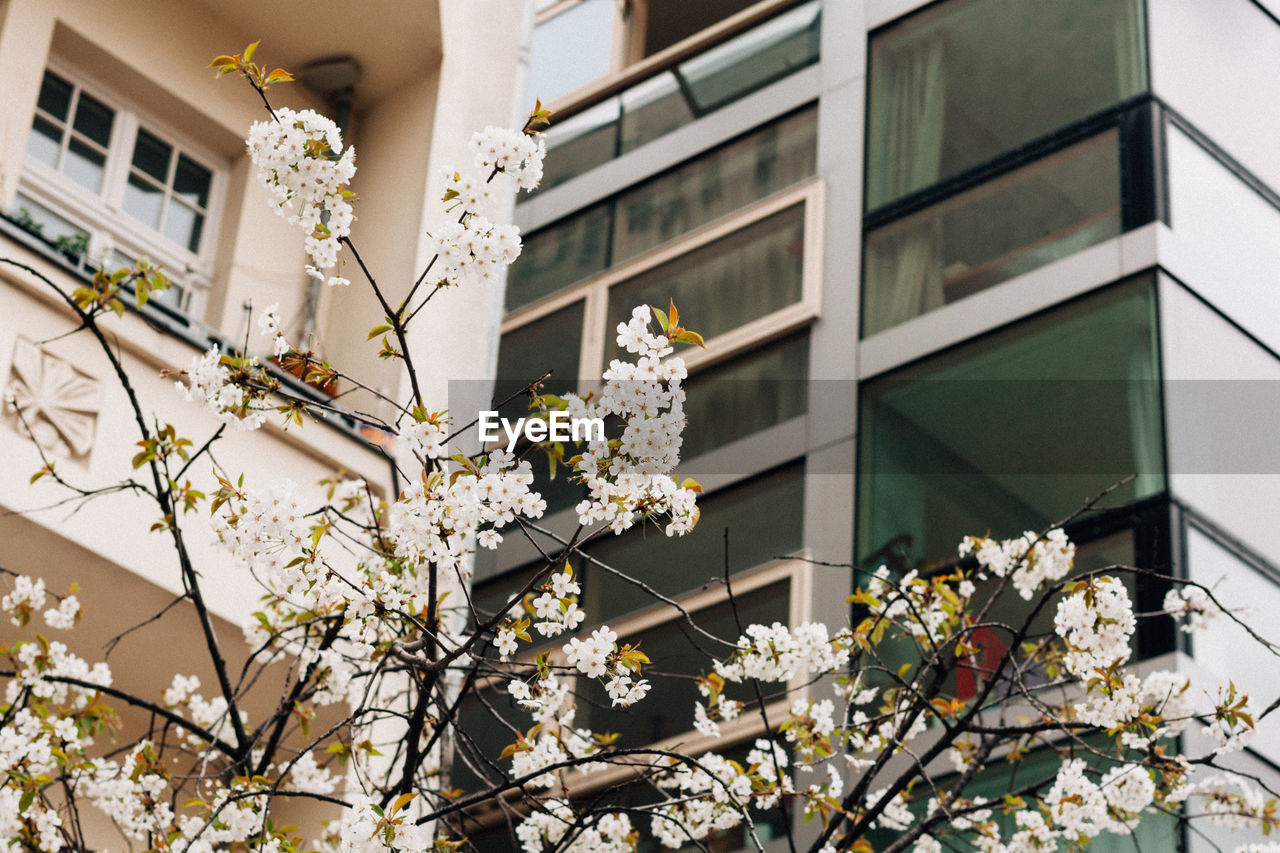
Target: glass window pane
84	165
44	141
55	96
931	112
728	282
1001	229
571	49
151	156
676	651
719	182
669	21
754	59
183	225
652	109
761	389
142	201
559	255
676	565
93	119
1078	386
548	344
580	142
191	182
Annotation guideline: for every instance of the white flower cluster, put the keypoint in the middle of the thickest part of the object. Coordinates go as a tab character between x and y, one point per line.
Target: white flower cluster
28	595
39	663
556	608
474	251
473	248
714	796
1232	726
209	382
440	519
631	477
542	830
301	161
1193	604
133	794
1033	560
1096	621
776	653
1232	802
510	151
269	326
426	437
363	829
920	607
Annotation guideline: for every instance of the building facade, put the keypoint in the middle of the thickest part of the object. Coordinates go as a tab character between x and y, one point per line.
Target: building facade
961	267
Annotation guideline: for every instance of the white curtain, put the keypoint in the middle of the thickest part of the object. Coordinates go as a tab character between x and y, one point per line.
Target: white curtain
904	275
904	271
1144	417
1131	72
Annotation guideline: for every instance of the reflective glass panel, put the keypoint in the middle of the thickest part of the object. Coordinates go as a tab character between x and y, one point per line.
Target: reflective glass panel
559	255
716	183
580	142
44	141
183	225
763	388
728	282
84	165
652	109
94	119
1076	386
191	181
151	156
551	343
676	565
939	94
754	59
1003	228
55	96
143	200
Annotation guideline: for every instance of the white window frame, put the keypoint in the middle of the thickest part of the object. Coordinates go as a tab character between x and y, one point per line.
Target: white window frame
103	215
596	340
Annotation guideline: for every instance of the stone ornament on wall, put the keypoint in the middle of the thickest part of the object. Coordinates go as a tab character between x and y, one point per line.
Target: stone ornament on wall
59	404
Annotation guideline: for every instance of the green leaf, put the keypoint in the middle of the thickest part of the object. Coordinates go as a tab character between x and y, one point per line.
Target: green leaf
662	317
248	51
378	330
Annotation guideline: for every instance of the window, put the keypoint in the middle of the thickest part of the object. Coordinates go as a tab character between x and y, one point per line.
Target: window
689	196
674	566
90	160
666	716
1000	229
970	183
687	90
932	112
1012	431
578	41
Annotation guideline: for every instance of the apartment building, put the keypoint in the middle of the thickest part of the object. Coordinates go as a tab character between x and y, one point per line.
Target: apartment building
961	266
117	142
